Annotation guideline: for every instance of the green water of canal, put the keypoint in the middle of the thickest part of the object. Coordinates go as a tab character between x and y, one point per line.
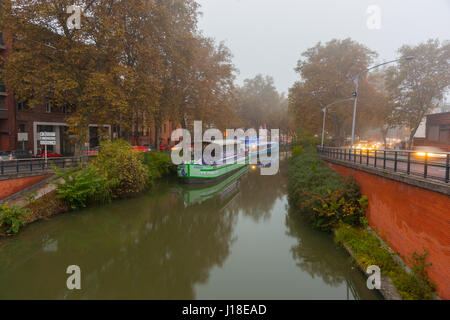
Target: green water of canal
234	240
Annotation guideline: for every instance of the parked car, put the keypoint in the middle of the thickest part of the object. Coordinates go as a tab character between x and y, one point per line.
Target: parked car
92	152
49	155
15	155
141	149
175	148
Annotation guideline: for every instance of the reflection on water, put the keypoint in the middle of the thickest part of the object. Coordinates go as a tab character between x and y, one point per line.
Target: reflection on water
234	240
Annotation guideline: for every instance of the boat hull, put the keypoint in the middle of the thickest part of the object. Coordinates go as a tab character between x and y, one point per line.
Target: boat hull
195	173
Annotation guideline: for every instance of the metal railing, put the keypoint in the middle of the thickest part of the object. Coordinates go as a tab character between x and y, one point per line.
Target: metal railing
9	167
427	165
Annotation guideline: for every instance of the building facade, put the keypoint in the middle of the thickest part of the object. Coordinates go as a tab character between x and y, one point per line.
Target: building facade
146	135
20	124
437	132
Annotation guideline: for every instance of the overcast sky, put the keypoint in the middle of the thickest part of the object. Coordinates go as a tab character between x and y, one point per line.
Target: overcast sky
268	36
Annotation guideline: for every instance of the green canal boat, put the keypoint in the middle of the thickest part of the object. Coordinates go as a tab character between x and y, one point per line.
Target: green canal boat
193	172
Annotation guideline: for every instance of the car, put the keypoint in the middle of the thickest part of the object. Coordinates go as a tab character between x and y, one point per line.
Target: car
431	152
175	148
149	148
49	155
141	149
92	151
15	155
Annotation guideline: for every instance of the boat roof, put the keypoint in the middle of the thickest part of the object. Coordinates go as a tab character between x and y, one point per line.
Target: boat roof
226	142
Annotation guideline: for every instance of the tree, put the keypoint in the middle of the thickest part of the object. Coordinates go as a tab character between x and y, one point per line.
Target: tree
258	103
381	114
198	75
417	86
133	63
327	72
210	85
103	71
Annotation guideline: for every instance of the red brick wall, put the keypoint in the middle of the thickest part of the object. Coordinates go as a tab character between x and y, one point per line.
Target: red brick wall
12	186
409	219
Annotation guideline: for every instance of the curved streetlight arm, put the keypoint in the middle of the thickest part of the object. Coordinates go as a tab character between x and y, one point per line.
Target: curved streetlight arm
382	64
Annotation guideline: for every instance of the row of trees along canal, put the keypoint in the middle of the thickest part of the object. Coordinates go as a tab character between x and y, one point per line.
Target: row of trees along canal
133	64
137	63
397	96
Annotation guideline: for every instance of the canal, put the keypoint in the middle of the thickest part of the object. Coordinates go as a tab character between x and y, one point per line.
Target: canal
235	240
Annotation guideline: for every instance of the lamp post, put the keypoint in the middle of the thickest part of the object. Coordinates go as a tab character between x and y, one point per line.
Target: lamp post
325	115
355	94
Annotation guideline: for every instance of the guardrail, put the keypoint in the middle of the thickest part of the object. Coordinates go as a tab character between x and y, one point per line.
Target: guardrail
24	166
431	165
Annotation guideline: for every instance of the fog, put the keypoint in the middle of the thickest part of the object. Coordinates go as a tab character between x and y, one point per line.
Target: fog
268	36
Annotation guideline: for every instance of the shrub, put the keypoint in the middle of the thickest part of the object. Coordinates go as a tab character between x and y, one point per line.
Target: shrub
424	288
307	140
158	164
298	150
336	207
124	166
84	186
12	217
322	195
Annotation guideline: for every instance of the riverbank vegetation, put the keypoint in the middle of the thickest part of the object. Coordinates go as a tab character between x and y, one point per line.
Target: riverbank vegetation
321	194
12	218
334	203
368	250
117	172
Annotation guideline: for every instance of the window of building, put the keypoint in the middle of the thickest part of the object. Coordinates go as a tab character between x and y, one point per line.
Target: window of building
1	104
21	128
48	107
22	106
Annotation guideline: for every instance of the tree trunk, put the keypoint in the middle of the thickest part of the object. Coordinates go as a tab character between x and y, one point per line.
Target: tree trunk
384	133
411	138
157	137
183	123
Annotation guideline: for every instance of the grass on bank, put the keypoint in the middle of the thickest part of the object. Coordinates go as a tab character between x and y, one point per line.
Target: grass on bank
331	202
368	250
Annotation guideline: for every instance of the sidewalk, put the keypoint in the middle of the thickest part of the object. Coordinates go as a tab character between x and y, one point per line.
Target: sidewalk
37	191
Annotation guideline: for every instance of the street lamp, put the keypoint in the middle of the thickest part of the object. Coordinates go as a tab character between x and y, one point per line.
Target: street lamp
355	94
325	115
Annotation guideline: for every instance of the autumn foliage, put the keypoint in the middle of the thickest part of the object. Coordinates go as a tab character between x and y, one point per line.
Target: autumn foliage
133	64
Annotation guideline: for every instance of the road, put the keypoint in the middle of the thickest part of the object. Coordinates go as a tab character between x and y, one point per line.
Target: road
435	168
